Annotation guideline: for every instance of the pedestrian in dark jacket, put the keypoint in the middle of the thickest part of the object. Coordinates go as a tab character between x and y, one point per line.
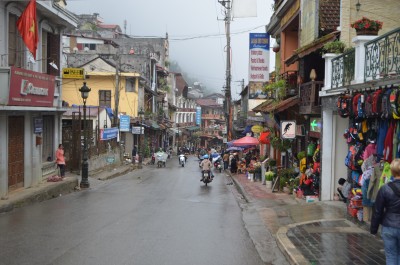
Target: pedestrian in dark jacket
387	214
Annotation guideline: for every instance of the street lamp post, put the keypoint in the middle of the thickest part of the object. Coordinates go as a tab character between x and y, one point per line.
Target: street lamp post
141	114
85	166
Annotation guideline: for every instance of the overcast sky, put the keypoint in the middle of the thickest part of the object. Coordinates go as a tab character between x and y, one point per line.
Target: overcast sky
195	29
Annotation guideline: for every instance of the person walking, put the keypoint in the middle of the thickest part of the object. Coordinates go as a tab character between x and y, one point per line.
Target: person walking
387	214
226	160
60	160
134	153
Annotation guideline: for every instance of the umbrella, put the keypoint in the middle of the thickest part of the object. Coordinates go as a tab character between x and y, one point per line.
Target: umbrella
234	148
247	140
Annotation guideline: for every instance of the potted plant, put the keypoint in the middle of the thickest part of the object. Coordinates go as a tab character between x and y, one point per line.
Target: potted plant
366	26
336	46
250	174
269	176
277	88
257	170
285	175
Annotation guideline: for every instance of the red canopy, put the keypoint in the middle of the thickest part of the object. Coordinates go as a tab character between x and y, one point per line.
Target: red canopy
264	138
246	141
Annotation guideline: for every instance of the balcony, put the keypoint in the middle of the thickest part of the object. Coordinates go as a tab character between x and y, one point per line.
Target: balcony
374	59
291	80
310	102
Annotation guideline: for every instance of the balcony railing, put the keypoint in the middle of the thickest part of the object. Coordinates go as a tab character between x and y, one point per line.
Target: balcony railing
375	59
382	56
310	102
343	69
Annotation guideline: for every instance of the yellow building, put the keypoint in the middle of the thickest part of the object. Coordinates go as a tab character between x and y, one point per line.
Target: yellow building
101	79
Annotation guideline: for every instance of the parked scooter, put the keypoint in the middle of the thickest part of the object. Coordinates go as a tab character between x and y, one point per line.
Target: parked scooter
182	160
217	161
206	176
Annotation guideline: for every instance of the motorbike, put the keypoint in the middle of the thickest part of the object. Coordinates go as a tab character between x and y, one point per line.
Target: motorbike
182	160
206	177
217	161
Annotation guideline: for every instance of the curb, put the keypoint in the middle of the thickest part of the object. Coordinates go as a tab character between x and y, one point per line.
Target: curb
40	194
238	186
292	254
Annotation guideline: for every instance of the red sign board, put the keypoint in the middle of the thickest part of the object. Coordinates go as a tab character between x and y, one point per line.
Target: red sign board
29	88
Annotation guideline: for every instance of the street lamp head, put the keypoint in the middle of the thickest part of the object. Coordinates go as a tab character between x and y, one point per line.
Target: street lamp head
358	6
84	91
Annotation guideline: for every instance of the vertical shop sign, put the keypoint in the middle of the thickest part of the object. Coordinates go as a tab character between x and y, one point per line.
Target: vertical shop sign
259	57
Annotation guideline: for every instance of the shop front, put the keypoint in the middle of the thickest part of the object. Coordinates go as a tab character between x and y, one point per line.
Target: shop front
30	121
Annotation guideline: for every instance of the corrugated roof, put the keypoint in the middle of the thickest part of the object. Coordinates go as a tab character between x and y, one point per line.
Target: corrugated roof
207	102
277	106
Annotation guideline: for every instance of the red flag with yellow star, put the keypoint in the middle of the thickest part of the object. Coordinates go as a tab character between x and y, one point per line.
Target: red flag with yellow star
27	26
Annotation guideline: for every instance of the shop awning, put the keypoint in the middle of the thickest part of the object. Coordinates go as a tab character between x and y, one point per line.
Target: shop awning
153	125
312	47
278	106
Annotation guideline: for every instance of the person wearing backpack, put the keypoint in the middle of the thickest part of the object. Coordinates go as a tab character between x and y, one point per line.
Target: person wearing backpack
387	214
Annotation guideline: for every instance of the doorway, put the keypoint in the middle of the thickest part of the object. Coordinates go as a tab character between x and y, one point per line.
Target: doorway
15	152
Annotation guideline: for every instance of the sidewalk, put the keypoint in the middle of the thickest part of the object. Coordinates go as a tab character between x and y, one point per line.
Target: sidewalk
48	190
311	233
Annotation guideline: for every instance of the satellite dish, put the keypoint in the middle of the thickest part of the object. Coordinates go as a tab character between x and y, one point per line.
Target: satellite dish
52	64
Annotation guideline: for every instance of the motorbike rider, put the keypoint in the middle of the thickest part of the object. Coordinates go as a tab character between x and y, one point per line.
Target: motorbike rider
205	166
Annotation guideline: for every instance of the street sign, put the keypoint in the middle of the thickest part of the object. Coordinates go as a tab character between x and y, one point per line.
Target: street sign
288	129
124	123
73	73
137	130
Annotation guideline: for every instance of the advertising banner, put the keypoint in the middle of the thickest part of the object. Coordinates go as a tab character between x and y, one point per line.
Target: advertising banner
198	115
124	123
29	88
259	57
108	133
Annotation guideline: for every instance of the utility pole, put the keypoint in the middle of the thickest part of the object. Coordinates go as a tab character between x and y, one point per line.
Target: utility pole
116	93
228	109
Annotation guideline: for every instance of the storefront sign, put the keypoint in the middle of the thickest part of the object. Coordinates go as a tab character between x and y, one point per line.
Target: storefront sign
108	133
198	115
259	57
288	129
124	123
137	130
29	88
73	73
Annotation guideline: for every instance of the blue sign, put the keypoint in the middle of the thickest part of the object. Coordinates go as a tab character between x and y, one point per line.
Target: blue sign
259	40
108	133
198	115
124	123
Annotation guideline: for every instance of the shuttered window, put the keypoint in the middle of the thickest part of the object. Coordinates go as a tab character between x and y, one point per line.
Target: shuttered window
105	98
16	47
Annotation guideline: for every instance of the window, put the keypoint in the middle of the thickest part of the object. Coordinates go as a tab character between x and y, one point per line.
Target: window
91	47
16	47
105	98
130	85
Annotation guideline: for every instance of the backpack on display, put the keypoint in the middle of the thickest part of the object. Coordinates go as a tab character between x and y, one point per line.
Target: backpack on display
386	112
376	103
343	106
394	103
353	158
368	105
354	108
360	106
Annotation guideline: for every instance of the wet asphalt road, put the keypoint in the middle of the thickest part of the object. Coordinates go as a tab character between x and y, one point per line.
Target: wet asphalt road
152	216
